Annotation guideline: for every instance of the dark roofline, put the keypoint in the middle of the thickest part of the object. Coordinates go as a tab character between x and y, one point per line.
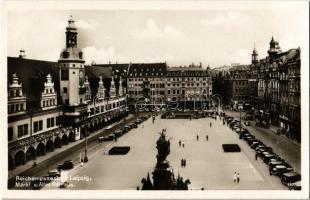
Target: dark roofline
47	61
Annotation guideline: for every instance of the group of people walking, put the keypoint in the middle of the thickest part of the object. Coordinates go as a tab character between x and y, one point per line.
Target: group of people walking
181	144
236	177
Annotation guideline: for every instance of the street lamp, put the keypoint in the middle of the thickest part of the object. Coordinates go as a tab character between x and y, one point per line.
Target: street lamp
85	138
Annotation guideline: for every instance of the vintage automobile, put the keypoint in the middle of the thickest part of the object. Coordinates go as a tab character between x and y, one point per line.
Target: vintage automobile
263	147
54	173
295	186
271	164
139	121
118	133
290	177
267	157
127	128
256	144
253	141
68	164
133	125
109	137
278	170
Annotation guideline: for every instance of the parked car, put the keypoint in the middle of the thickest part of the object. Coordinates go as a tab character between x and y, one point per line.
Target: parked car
290	177
253	141
263	147
267	157
256	144
117	133
68	164
133	125
127	128
54	173
247	123
279	170
271	164
295	186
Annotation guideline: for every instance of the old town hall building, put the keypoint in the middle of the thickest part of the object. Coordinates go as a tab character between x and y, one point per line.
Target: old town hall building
51	104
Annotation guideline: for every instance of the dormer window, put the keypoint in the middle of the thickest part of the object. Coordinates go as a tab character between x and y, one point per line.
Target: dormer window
65	54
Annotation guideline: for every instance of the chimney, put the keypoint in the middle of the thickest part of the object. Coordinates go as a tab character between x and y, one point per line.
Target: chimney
22	53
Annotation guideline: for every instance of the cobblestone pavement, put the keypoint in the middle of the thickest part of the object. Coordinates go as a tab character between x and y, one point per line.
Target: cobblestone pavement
207	167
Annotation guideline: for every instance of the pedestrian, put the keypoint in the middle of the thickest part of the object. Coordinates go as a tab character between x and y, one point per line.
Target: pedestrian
179	143
238	178
210	124
256	155
235	177
183	145
207	137
197	137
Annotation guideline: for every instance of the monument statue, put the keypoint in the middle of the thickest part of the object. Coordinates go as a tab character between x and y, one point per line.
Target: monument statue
163	177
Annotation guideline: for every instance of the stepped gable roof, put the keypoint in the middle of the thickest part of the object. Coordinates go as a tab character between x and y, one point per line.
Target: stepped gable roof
147	69
32	74
94	72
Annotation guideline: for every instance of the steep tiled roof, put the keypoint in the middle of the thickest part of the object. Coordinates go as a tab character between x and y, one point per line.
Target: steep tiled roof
32	74
118	69
147	69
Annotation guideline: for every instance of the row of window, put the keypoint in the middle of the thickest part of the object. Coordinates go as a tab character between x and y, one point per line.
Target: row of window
100	109
23	129
146	74
49	102
183	84
18	107
15	93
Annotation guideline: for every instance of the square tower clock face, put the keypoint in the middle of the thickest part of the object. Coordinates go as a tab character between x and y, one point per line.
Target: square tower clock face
81	77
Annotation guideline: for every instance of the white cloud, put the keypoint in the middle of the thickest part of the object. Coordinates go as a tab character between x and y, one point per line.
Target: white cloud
102	55
153	31
89	25
224	19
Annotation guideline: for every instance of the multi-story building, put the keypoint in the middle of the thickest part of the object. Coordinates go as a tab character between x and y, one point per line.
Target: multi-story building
162	84
53	103
278	89
189	85
239	78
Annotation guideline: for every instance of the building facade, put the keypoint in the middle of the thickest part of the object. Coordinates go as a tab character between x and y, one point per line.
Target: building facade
51	104
159	84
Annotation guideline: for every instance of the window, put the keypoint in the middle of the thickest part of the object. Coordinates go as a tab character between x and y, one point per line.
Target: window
48	122
10	133
37	126
57	121
22	130
65	90
52	122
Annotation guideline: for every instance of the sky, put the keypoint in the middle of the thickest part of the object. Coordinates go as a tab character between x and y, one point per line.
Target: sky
178	37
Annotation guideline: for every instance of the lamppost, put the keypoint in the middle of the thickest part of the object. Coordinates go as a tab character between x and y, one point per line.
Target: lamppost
85	137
